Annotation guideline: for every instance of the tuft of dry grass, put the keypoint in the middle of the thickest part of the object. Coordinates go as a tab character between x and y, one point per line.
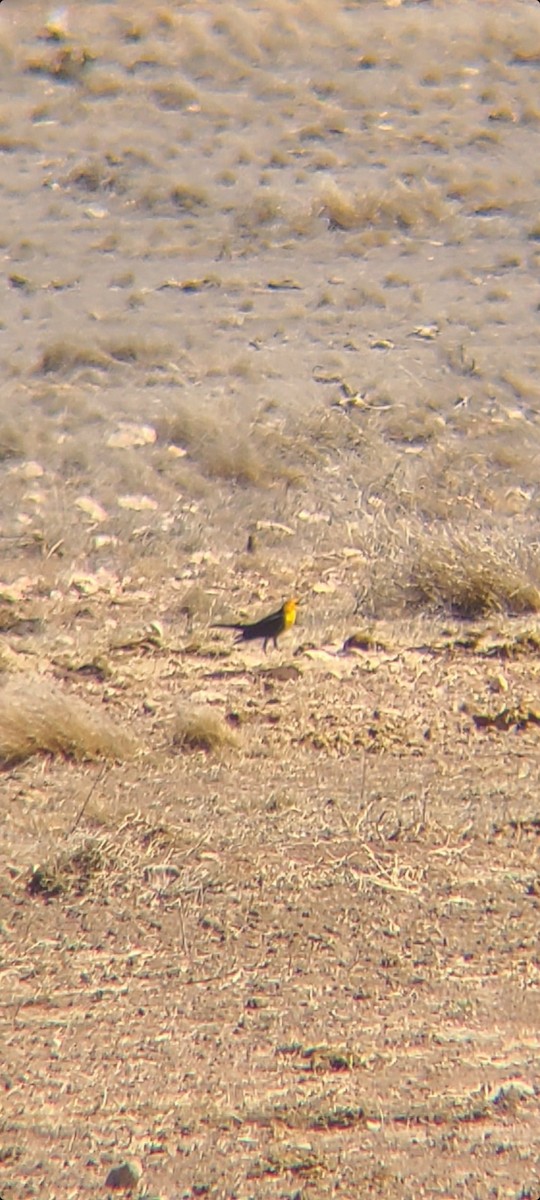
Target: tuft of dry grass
470	578
175	95
196	603
36	717
143	351
236	460
66	64
203	729
404	206
71	871
93	175
224	449
125	856
64	355
263	208
189	197
12	440
444	568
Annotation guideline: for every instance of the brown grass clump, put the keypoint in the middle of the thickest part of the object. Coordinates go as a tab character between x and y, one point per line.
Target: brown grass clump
36	717
403	206
441	568
196	603
236	460
189	197
203	729
225	449
67	64
71	871
263	209
93	175
175	95
471	578
64	355
143	351
12	440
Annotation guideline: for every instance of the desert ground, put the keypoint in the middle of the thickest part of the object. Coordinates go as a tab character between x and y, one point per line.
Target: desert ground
269	328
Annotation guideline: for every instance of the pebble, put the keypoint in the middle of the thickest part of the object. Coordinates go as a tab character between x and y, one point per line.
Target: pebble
125	1177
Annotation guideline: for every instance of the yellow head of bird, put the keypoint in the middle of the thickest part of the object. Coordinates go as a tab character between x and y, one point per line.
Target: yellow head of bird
289	612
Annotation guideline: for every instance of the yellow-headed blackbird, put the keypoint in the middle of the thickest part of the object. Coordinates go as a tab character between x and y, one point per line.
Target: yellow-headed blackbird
268	628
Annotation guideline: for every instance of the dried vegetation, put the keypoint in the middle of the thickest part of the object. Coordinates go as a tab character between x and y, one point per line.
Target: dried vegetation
223	448
202	728
469	577
272	330
36	717
404	206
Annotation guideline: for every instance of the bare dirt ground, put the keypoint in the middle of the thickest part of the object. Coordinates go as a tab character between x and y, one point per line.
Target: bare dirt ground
269	924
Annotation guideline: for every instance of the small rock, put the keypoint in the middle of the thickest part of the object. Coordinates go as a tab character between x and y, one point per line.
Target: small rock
138	503
125	1177
91	508
128	435
282	674
511	1090
31	470
361	641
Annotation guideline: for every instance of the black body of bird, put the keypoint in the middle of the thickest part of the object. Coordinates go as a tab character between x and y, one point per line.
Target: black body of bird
268	629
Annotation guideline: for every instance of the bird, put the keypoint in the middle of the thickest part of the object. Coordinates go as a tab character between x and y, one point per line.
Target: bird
268	629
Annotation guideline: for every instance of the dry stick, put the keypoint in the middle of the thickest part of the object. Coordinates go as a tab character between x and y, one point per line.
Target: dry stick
185	945
90	794
363	777
56	546
383	883
362	819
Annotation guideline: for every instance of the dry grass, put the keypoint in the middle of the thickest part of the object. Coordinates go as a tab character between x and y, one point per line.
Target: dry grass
304	966
175	95
94	175
264	209
480	193
72	870
405	206
441	568
66	64
202	728
189	197
223	448
236	460
64	355
13	440
104	84
144	351
469	577
259	913
36	717
116	859
195	604
224	455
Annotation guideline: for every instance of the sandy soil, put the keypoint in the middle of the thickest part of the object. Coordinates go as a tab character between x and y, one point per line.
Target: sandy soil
269	923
